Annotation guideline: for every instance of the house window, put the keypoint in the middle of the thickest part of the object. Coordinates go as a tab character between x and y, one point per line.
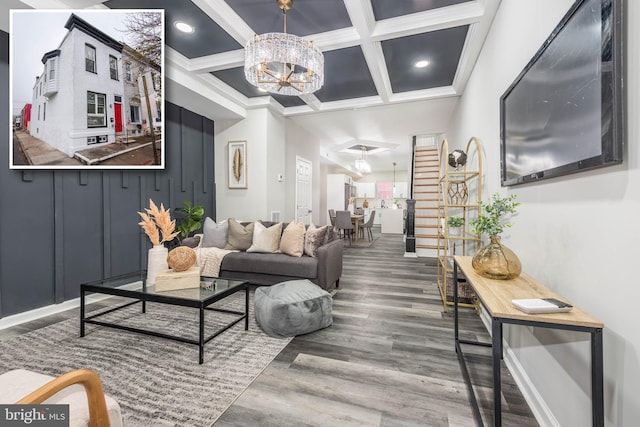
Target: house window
127	71
96	114
134	112
38	112
52	69
113	67
44	111
90	58
156	81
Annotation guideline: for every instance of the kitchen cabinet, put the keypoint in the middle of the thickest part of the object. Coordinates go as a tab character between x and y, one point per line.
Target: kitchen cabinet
400	190
366	189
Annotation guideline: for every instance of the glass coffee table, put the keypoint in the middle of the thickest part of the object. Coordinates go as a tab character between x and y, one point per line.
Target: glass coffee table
133	285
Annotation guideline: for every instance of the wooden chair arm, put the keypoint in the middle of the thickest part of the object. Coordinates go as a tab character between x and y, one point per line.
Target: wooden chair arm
98	415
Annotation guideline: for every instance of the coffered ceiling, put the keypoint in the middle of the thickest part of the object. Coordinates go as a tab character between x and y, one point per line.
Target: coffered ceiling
370	49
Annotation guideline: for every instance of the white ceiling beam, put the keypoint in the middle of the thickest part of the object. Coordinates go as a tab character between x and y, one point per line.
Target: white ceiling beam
46	4
430	20
227	19
473	45
204	87
173	57
219	61
361	15
312	101
336	39
419	95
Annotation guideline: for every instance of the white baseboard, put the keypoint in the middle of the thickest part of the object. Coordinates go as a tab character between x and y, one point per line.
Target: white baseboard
538	406
41	312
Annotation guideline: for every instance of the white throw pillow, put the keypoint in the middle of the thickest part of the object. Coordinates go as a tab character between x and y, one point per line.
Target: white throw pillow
266	240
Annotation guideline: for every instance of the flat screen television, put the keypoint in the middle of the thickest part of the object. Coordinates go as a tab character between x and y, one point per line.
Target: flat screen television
565	112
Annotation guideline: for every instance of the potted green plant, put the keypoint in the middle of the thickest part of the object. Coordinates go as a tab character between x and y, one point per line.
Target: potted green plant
455	223
495	260
190	220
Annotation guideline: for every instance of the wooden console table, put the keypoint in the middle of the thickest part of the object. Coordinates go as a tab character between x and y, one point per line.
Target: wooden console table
495	296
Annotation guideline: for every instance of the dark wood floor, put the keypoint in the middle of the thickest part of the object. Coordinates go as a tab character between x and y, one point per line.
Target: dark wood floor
387	360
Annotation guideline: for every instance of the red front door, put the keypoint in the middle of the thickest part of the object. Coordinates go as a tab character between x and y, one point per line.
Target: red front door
118	112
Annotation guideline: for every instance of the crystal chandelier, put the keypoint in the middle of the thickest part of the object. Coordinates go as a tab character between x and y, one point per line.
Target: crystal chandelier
283	63
362	165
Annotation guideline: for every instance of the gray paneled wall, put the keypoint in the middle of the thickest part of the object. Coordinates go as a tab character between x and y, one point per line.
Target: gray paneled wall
59	228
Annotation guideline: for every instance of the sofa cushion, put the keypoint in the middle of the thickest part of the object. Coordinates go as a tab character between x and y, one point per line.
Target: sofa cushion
240	236
313	239
275	264
292	241
215	235
266	240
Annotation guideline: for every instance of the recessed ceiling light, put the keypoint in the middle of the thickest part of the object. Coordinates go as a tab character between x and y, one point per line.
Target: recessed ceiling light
422	64
184	27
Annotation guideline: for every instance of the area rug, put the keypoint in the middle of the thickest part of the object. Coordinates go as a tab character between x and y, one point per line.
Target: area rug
157	382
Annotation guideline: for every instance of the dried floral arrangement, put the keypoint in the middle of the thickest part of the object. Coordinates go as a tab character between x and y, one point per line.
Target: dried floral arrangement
155	219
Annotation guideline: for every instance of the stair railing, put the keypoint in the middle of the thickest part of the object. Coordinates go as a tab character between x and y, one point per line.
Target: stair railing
410	226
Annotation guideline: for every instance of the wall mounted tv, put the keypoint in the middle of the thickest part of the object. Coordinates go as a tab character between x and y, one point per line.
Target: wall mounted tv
565	112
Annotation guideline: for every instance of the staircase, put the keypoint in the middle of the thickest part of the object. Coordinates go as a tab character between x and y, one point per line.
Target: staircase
425	192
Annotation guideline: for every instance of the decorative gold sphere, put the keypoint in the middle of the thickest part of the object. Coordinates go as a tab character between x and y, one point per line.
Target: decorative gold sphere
181	258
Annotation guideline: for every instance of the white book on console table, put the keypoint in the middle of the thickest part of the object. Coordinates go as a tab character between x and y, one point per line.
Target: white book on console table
541	305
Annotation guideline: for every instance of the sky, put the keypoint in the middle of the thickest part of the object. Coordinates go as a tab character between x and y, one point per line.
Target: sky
35	32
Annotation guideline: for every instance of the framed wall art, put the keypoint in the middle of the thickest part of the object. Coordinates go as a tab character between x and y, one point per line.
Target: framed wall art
237	164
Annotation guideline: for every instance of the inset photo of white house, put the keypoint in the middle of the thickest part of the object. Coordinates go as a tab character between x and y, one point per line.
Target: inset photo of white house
86	89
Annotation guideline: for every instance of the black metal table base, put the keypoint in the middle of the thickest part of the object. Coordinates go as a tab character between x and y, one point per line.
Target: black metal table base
202	340
597	381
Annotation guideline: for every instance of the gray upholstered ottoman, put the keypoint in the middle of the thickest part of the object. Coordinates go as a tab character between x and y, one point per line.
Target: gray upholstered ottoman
292	308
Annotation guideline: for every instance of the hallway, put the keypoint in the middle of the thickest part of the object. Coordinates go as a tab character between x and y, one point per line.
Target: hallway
387	360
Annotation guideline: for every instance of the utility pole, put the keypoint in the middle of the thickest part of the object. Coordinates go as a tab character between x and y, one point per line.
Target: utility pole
156	157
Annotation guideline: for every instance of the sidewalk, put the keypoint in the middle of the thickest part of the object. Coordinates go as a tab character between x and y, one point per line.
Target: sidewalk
39	153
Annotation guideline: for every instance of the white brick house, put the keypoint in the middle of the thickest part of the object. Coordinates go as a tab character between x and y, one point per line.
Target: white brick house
77	100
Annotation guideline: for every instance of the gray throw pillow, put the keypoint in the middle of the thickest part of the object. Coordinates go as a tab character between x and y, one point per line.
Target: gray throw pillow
240	237
215	235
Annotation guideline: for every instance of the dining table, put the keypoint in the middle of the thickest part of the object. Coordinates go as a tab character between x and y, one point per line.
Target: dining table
356	219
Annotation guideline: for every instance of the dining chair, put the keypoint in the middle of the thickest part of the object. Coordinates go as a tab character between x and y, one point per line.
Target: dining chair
367	226
332	218
359	211
344	224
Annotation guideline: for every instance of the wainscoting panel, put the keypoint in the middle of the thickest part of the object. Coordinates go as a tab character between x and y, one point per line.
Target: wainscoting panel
79	211
59	228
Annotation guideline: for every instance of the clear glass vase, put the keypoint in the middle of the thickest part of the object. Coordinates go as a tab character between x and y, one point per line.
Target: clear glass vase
496	261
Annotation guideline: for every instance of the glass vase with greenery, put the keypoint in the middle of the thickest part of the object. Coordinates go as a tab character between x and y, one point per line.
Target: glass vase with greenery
491	220
495	260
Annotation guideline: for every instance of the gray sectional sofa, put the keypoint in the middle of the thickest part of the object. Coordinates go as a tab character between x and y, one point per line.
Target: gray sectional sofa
270	268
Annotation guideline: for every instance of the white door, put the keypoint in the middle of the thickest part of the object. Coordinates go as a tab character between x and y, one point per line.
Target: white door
303	190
